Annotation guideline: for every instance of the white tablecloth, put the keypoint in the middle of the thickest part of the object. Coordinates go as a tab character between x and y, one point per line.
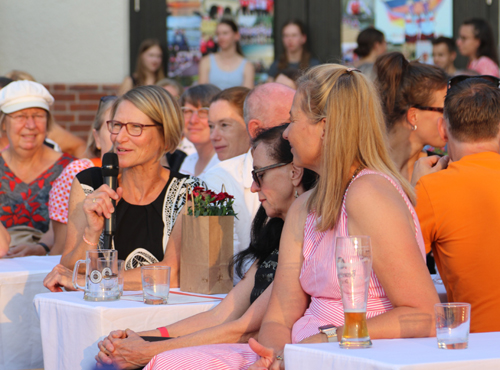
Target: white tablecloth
20	280
72	327
401	354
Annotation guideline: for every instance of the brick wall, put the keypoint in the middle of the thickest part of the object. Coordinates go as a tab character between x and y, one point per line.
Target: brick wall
75	106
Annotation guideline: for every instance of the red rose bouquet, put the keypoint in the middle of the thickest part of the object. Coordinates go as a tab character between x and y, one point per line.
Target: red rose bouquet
207	203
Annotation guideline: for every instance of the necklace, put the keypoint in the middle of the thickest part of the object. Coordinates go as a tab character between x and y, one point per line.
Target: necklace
356	173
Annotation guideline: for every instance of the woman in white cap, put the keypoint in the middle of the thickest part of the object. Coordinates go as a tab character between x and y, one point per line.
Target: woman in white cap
27	167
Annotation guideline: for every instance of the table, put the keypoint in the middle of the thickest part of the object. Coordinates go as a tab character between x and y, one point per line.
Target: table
20	280
401	354
72	327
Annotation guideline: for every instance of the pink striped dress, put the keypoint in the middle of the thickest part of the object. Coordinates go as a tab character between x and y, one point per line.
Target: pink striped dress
318	278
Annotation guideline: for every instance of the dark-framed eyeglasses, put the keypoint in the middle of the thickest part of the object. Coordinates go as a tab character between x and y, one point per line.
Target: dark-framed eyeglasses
432	109
133	129
104	100
457	79
257	174
201	112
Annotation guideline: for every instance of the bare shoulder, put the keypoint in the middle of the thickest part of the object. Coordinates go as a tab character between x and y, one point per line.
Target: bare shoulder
205	61
375	193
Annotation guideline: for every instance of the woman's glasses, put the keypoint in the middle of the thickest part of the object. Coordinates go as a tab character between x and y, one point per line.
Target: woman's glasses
432	109
457	79
22	119
133	129
201	112
257	174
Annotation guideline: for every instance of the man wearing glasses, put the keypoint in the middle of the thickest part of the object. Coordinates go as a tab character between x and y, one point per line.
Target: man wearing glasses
459	207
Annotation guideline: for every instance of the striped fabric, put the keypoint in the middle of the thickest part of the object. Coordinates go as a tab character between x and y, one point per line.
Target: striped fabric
318	279
319	275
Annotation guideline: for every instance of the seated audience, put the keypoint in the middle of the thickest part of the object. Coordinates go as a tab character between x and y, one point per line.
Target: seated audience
288	77
195	103
296	54
359	192
145	123
172	86
227	67
239	315
228	131
4	240
99	142
444	53
57	138
148	67
27	167
412	96
265	106
371	45
458	207
476	41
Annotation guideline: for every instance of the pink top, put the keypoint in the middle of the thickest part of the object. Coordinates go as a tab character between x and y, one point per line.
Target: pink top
318	279
484	66
59	194
319	275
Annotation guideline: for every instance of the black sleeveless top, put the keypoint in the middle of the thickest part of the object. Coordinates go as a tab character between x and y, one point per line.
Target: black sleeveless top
264	275
139	237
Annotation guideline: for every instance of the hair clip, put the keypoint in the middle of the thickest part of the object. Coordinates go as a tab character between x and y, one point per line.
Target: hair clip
349	70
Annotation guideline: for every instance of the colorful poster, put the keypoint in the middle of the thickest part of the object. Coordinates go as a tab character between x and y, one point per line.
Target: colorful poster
191	29
414	24
356	16
409	26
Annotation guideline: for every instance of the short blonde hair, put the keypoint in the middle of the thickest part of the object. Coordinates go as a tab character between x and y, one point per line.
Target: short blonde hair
156	103
354	131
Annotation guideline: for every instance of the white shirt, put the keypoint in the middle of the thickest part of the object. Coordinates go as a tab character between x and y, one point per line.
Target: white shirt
189	164
187	147
236	175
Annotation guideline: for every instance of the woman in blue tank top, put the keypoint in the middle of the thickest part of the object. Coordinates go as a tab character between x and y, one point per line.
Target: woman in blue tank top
227	68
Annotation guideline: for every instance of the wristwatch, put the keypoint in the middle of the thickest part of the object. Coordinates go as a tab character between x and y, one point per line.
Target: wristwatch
330	331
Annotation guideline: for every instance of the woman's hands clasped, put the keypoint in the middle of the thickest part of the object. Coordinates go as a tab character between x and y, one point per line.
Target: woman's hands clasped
124	349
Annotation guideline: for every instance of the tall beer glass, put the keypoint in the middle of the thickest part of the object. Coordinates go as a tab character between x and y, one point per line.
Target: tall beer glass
353	257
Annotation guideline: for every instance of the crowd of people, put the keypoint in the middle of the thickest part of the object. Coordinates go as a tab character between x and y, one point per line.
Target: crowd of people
332	151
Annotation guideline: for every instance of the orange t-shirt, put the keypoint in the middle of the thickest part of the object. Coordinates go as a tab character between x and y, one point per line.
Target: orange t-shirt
459	213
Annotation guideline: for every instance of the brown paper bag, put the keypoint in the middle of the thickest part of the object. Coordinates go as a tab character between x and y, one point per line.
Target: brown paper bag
206	252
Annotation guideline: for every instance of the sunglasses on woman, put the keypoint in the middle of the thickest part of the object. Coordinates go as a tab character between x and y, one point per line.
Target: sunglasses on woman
257	174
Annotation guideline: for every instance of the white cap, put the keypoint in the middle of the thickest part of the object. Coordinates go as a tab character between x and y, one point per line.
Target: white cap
24	94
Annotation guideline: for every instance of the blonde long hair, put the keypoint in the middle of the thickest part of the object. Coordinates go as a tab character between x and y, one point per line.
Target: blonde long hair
354	132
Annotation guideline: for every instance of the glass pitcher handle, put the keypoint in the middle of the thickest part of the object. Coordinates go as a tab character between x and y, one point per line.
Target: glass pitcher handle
75	275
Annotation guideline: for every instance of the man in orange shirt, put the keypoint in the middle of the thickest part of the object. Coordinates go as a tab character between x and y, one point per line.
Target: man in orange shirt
459	207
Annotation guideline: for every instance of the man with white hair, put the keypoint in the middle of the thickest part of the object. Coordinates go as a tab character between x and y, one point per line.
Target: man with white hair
265	106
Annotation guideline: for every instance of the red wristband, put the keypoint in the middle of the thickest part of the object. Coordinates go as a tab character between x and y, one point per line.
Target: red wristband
163	331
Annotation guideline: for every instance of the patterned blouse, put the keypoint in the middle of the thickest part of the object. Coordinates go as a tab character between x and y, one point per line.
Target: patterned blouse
24	204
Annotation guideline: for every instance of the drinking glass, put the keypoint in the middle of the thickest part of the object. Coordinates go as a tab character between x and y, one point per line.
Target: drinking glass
452	325
101	275
353	260
121	274
155	284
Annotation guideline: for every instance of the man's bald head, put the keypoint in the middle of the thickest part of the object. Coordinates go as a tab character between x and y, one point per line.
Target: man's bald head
267	106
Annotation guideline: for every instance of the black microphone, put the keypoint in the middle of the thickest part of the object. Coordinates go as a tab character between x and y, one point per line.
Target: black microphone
109	177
